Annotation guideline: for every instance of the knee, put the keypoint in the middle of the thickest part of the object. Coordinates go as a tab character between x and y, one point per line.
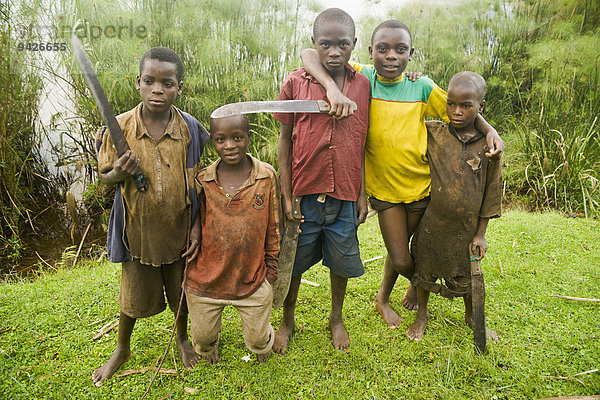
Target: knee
260	342
401	262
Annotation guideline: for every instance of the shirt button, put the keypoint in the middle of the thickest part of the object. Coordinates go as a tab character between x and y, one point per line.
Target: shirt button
226	194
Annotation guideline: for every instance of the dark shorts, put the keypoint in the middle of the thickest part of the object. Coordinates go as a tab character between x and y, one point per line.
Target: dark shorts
143	288
416	207
328	233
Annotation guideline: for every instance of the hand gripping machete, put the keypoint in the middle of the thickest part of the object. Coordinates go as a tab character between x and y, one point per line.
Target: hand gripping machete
116	134
478	301
281	106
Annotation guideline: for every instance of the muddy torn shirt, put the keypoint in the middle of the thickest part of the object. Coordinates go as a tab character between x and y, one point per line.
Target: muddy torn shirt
465	185
240	235
156	221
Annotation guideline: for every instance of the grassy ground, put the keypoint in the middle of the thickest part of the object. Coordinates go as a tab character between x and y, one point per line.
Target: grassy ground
47	351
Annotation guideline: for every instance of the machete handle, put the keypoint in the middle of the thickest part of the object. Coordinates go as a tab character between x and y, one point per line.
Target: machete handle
139	180
325	107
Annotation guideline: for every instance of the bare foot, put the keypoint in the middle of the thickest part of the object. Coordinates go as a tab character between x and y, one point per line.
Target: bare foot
213	357
339	336
262	358
189	357
282	337
391	318
416	330
109	368
410	299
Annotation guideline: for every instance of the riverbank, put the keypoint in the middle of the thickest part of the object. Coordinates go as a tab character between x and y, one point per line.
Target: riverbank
48	324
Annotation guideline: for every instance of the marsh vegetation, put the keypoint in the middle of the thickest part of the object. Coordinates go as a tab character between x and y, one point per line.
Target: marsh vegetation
541	60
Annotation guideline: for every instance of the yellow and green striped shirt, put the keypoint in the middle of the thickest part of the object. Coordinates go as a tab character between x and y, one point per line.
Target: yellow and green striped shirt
396	167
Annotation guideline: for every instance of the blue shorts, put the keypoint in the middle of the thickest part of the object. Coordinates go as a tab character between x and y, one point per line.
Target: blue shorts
328	233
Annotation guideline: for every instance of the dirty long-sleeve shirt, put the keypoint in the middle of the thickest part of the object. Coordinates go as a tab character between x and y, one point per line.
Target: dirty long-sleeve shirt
240	235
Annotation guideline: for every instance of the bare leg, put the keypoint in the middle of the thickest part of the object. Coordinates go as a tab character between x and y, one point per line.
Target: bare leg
382	299
288	322
397	226
489	334
339	336
189	357
416	330
122	352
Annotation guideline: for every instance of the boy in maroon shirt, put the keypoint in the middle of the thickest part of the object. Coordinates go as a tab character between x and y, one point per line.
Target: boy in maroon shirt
321	159
239	229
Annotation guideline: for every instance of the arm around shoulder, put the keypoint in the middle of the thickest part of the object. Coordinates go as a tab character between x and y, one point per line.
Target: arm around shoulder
341	106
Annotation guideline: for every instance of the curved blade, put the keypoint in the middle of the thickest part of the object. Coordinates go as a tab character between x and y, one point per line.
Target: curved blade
116	134
282	106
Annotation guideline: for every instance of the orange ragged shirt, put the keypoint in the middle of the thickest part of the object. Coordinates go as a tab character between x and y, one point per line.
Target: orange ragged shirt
240	235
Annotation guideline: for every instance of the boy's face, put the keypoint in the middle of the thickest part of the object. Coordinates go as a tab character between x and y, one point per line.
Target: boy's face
334	43
391	51
462	106
158	85
230	138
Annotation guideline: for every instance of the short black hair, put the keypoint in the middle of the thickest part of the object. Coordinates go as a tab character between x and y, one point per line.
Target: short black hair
470	80
245	122
333	15
163	54
394	24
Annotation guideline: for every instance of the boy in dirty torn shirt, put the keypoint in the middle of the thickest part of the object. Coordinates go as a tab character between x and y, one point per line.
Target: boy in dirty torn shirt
466	190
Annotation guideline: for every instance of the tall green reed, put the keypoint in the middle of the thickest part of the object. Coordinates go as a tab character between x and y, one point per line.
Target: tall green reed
20	170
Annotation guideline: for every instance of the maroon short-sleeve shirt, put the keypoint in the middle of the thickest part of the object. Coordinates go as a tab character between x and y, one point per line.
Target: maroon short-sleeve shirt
327	153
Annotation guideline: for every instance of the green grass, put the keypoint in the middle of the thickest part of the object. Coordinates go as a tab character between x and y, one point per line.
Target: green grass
49	352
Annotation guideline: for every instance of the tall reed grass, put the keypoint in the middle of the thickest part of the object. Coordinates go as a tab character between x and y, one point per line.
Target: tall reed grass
20	171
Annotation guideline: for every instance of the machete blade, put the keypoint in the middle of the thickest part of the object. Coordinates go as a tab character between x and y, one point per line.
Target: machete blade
478	302
116	134
283	106
287	255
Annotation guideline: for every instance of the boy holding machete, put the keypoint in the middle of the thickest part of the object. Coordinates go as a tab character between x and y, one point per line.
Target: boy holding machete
466	191
322	160
147	230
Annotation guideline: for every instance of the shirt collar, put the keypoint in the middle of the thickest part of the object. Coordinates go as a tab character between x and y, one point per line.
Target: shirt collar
259	171
395	80
141	128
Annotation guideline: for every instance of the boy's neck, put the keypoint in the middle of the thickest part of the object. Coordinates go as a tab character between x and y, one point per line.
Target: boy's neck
465	134
154	118
155	123
231	176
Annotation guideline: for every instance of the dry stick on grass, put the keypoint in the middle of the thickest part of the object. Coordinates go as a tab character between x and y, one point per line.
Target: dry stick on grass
591	371
107	328
373	259
146	369
309	282
87	229
576	298
98	321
